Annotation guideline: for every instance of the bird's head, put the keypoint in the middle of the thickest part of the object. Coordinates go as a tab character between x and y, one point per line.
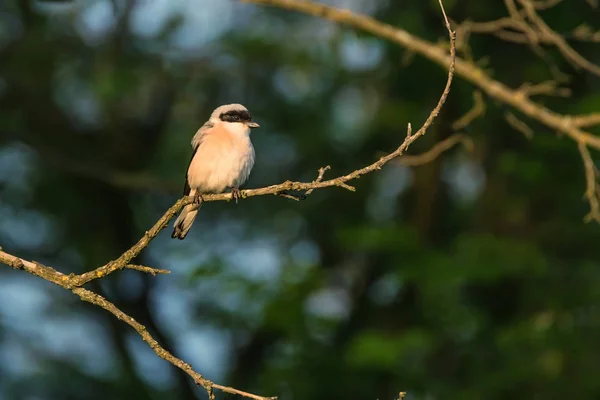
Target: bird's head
234	113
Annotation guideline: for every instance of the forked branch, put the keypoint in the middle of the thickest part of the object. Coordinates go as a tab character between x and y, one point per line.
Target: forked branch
523	30
74	283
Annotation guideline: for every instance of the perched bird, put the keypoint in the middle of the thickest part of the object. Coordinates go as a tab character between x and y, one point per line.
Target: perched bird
222	158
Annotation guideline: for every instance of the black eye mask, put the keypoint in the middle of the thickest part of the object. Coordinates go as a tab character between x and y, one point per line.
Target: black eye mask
236	116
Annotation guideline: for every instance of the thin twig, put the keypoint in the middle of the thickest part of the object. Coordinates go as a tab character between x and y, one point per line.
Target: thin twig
437	150
591	178
476	111
549	88
291	196
519	125
94	298
585	33
148	270
134	251
322	171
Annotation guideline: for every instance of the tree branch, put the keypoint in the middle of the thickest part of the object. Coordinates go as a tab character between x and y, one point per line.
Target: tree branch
586	120
476	111
570	125
519	125
465	69
557	40
592	192
437	150
148	270
282	188
525	26
74	282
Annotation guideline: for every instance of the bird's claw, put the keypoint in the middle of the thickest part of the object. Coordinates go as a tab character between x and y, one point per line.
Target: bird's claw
236	194
198	199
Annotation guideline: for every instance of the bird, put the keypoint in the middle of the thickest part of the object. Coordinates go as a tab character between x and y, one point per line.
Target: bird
222	158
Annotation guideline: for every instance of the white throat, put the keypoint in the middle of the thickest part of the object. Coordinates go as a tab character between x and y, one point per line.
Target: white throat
237	128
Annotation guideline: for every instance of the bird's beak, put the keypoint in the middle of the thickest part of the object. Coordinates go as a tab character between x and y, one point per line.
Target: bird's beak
253	124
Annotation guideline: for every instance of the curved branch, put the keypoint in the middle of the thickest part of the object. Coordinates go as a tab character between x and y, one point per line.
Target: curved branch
66	282
74	283
570	125
437	150
465	69
476	111
282	188
557	40
592	192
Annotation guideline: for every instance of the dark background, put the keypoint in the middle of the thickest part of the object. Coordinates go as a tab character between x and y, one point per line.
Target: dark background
471	277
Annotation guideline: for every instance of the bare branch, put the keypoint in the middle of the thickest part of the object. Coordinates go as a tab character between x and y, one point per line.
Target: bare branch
591	177
91	297
549	88
96	299
465	69
519	125
549	36
525	26
35	268
437	150
292	196
586	120
134	251
148	270
281	189
66	282
322	171
74	282
585	33
476	111
544	5
516	24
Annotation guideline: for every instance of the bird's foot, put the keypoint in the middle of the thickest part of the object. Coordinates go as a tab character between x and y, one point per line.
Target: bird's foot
236	194
198	199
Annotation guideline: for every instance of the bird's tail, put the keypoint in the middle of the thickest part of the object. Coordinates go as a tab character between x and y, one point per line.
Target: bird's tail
184	221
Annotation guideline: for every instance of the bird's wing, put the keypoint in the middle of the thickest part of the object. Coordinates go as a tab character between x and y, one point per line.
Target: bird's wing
196	142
